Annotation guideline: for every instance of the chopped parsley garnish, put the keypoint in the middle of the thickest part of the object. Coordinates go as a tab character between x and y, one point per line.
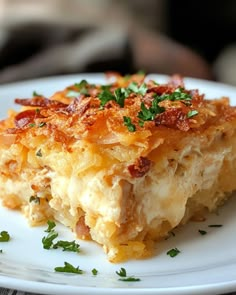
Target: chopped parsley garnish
82	87
128	123
4	236
123	274
69	268
105	96
81	84
94	271
39	153
173	252
119	96
48	240
192	113
178	94
142	89
34	199
106	87
215	225
1	251
32	125
51	225
202	232
149	114
36	94
67	246
42	124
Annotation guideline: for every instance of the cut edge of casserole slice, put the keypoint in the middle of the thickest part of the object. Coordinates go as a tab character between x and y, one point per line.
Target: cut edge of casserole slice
121	164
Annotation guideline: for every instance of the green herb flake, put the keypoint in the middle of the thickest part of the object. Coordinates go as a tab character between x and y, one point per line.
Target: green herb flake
128	123
1	251
36	94
179	94
69	268
94	271
34	199
51	226
141	123
123	274
176	95
192	113
39	153
105	96
32	125
42	124
106	87
48	240
120	96
82	87
81	84
133	87
202	232
67	246
215	225
149	114
4	236
173	252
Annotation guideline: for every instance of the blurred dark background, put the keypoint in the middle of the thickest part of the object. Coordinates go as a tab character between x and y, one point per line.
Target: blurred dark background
52	37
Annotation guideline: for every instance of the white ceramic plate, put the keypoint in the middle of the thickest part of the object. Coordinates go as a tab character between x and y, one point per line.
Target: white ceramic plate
205	265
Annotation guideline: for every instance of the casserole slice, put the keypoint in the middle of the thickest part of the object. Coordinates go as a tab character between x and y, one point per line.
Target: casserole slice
121	164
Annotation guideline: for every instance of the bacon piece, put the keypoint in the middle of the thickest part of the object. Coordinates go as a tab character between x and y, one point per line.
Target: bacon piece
39	101
79	105
26	117
140	167
176	81
173	118
162	89
81	229
196	96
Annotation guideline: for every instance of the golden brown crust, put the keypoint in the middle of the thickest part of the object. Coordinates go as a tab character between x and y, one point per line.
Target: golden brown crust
68	119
